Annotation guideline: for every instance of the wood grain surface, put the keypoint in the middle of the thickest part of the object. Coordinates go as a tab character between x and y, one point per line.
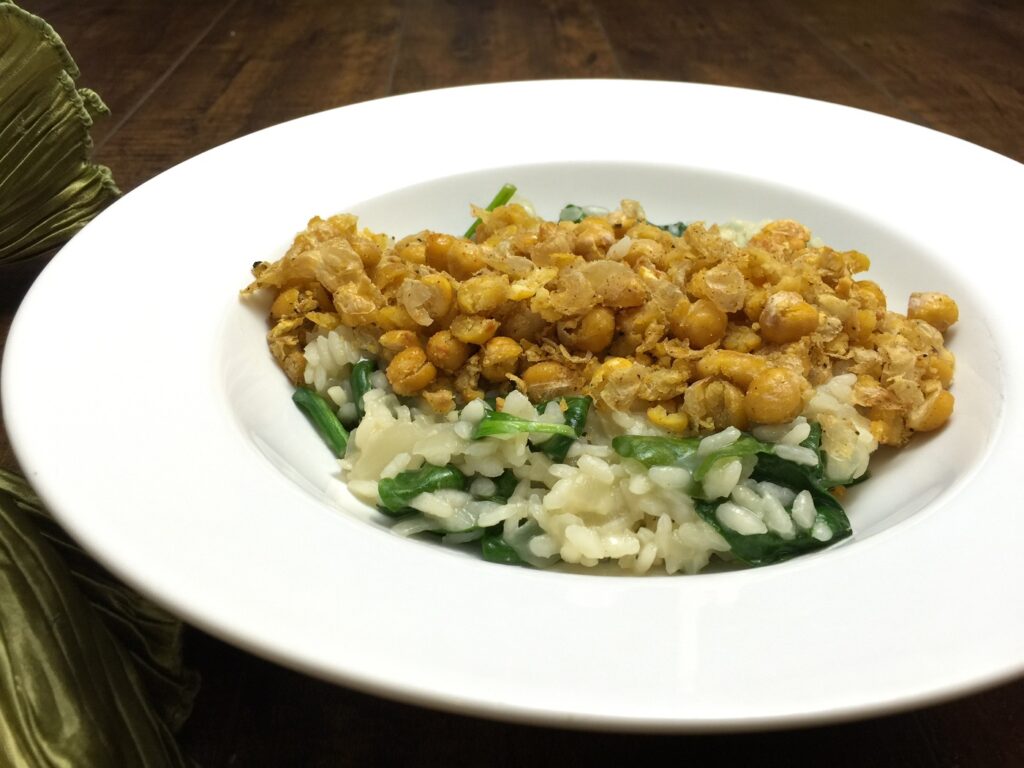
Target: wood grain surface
184	76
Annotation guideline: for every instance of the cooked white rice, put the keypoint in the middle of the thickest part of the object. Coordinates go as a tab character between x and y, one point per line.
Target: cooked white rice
596	506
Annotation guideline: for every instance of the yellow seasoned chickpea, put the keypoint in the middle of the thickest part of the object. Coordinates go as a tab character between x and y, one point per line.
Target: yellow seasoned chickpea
869	294
398	340
942	366
775	396
285	302
438	246
410	371
936	309
786	317
675	422
482	294
741	338
412	249
754	303
395	317
464	259
591	333
474	330
862	325
446	352
932	413
546	380
440	304
738	367
500	356
713	403
702	325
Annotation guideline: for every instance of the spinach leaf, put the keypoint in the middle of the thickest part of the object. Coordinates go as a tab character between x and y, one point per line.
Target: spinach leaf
324	419
682	452
503	196
675	229
575	415
746	445
768	548
495	549
505	486
656	451
360	380
501	423
396	492
573	213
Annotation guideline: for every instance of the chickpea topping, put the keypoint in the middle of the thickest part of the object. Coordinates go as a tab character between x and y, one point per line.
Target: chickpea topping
704	324
696	330
437	247
412	249
869	294
775	396
396	341
786	317
410	371
482	294
714	404
738	367
446	352
441	304
464	259
500	357
591	333
546	380
676	423
285	302
933	412
936	309
474	330
396	317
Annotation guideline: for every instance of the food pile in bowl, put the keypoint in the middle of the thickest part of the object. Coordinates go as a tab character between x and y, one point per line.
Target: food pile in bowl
601	388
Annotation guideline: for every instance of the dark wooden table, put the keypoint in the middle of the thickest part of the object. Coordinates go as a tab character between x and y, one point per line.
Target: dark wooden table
184	76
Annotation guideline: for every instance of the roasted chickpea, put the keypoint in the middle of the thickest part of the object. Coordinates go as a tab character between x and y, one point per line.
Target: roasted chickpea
936	309
739	368
285	302
786	317
675	422
444	294
398	340
702	325
410	371
446	352
591	333
715	404
932	413
412	249
500	356
474	330
395	317
741	338
482	294
438	246
869	294
464	259
775	396
546	380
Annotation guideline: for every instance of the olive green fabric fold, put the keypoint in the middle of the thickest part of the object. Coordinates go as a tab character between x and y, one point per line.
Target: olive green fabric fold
90	673
49	188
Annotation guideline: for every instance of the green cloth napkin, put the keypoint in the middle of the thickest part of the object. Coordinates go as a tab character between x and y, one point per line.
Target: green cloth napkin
49	189
91	674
